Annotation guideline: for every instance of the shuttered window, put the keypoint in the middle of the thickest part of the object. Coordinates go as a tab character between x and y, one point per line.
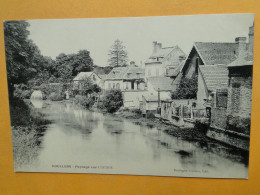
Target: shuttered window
235	97
221	98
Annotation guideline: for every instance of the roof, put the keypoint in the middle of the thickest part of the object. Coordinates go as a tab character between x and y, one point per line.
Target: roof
241	61
151	98
164	83
163	55
130	72
217	53
215	76
116	73
82	76
154	98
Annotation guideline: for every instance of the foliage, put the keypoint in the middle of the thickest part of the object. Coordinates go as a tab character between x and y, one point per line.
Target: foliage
28	126
150	115
238	124
21	54
68	66
201	127
54	96
187	88
22	91
84	101
112	100
117	54
87	87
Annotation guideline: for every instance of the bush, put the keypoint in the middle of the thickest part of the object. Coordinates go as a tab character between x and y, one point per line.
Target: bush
201	127
84	101
150	115
55	96
23	94
238	124
112	100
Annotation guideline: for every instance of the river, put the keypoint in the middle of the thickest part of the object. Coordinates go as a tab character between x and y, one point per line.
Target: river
81	141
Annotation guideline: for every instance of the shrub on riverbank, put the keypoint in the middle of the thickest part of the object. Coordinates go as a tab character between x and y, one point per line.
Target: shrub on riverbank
27	128
112	101
54	96
86	102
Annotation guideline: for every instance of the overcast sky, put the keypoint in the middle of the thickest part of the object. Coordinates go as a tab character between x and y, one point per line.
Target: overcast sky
97	35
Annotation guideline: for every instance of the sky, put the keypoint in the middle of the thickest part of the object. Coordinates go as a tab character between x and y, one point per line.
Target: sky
137	34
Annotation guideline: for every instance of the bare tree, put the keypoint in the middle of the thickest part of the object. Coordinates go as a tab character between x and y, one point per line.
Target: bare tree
117	54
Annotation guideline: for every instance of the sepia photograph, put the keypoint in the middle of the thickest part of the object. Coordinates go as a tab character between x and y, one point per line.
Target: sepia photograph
159	96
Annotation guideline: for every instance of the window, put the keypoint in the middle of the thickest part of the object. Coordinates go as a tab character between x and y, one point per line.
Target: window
109	85
114	85
221	98
118	86
235	97
127	87
94	77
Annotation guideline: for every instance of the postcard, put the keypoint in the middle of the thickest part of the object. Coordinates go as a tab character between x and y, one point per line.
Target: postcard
161	96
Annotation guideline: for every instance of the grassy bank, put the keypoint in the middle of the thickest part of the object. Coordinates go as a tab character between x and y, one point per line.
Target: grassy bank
28	127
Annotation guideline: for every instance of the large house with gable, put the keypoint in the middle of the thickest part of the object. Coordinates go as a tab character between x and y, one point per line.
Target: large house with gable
82	76
164	60
130	80
208	61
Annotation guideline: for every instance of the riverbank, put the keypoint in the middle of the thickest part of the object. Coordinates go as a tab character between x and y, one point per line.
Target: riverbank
135	116
28	127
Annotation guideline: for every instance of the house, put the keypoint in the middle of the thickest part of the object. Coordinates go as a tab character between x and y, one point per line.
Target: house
207	63
130	80
92	76
161	84
163	61
125	78
231	107
150	104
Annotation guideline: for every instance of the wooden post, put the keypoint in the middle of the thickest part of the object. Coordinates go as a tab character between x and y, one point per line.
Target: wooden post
159	98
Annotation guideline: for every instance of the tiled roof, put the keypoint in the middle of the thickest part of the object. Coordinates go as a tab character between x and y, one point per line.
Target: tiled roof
217	53
131	72
82	76
134	73
164	83
162	54
151	98
116	73
215	76
242	61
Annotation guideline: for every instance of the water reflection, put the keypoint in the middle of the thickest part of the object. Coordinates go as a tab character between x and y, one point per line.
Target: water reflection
81	137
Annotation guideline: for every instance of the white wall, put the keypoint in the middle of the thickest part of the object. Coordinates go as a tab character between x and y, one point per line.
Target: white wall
156	69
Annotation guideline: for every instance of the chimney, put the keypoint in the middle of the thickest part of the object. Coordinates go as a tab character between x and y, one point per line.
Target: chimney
159	45
154	46
132	63
241	41
251	40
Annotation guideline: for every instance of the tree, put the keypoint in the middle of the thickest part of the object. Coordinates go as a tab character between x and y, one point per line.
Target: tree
68	66
20	54
113	100
117	54
187	88
88	87
81	62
